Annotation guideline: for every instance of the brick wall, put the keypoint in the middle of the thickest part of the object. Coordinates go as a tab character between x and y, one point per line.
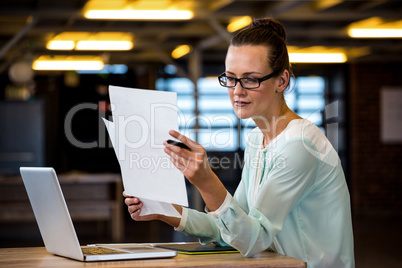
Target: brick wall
375	168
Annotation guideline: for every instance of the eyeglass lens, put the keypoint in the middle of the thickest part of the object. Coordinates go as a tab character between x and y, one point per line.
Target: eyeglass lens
245	82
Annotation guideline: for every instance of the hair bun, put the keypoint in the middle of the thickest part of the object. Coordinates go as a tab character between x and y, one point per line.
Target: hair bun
272	25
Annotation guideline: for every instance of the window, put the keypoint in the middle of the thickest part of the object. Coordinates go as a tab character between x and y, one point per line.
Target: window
306	98
216	127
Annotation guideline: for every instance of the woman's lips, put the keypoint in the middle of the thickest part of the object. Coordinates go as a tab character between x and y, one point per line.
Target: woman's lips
241	103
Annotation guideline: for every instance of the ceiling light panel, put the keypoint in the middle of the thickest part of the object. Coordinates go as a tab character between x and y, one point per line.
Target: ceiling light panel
180	51
138	10
91	41
104	45
67	63
317	57
316	54
238	22
375	27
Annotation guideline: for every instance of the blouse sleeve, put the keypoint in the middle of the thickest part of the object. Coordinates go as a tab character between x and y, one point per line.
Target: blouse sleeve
202	225
287	178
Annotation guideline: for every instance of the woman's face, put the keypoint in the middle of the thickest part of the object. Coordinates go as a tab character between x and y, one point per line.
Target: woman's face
251	62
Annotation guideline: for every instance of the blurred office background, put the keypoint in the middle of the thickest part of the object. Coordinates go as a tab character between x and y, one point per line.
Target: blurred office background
50	115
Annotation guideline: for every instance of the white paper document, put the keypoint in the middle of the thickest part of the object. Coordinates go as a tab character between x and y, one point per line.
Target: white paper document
141	122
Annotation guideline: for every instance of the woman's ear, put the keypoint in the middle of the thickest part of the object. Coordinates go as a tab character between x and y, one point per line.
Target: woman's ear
283	81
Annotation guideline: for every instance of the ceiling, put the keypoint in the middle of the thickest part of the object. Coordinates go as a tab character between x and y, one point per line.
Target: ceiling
26	25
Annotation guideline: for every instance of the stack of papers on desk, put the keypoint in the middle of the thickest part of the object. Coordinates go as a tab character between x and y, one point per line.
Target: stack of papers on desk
141	120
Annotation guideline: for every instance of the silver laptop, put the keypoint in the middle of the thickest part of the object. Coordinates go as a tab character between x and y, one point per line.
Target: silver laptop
57	229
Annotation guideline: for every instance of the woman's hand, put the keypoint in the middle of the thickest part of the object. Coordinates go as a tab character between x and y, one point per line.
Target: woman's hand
195	167
193	164
134	208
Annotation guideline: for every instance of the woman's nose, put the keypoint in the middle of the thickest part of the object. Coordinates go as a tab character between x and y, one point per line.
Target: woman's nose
239	89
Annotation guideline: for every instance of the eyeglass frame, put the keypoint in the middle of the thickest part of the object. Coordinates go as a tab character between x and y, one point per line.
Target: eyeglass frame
262	79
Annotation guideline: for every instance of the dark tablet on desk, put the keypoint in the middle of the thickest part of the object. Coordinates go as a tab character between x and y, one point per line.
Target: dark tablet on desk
197	248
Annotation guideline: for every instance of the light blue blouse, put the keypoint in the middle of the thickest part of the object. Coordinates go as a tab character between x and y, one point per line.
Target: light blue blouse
292	198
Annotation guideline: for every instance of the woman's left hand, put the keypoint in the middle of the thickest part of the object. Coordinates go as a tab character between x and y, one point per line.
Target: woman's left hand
193	164
195	167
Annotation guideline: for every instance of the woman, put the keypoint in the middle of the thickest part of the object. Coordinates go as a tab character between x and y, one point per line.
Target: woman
292	197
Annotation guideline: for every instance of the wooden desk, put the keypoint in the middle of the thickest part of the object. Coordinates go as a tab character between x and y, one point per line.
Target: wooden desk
39	257
89	197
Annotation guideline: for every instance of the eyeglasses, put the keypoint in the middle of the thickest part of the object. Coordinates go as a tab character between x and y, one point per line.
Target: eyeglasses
247	83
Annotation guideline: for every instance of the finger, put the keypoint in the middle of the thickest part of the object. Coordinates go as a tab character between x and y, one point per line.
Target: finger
181	165
187	141
136	215
125	195
175	151
181	158
184	162
174	148
129	201
133	208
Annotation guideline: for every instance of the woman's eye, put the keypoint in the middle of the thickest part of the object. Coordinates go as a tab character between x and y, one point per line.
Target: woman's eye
251	80
231	79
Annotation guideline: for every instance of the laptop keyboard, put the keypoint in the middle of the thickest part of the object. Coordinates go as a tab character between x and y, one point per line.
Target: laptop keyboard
100	251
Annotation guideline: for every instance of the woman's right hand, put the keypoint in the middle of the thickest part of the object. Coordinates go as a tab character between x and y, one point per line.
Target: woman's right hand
134	205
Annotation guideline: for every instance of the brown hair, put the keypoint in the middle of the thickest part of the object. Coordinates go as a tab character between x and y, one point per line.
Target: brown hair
270	33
